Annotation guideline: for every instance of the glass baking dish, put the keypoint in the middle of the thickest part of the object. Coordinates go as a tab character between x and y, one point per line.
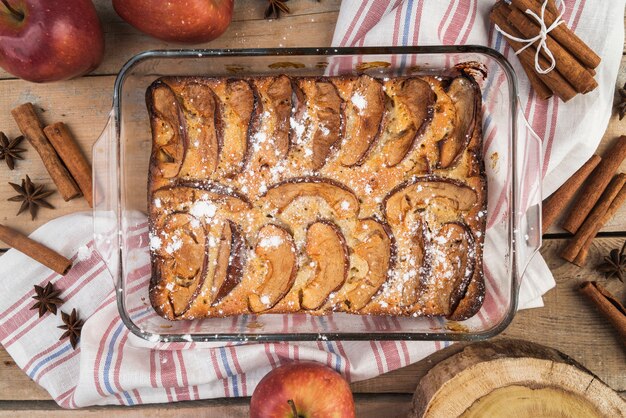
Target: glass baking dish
512	159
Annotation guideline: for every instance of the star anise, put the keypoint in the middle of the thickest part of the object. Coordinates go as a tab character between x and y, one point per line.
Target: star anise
621	106
31	196
615	264
9	150
275	7
72	326
47	299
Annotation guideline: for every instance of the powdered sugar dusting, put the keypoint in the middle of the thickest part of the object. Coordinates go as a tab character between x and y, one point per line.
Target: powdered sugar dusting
271	242
359	101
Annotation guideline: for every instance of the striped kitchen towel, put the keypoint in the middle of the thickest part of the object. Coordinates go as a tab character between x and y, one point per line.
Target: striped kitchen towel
113	366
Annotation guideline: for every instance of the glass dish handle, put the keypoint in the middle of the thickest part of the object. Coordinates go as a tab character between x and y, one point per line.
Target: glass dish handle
105	222
529	182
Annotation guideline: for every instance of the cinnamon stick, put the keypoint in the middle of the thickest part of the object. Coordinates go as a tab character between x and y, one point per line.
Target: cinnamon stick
581	258
31	128
555	204
35	250
592	224
67	148
608	306
577	75
598	181
564	35
553	80
551	6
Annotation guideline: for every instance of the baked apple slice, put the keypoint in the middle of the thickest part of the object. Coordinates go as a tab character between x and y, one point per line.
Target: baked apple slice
169	129
326	246
342	201
363	114
453	261
445	196
409	113
280	94
239	106
466	99
277	252
324	110
377	248
181	263
271	125
204	130
229	260
419	263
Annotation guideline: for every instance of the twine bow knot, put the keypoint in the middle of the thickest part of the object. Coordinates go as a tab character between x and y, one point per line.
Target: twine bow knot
542	36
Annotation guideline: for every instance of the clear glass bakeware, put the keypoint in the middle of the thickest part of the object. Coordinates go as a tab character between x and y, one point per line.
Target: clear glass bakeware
512	159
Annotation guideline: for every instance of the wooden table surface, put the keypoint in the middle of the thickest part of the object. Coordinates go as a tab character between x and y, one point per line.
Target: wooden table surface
567	322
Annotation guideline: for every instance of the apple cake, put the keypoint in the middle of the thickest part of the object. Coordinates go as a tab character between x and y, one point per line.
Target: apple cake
281	194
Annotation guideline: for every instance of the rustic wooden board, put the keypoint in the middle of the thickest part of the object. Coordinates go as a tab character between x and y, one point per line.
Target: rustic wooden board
567	323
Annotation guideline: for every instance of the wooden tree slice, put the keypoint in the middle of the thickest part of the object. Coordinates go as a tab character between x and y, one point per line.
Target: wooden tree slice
513	378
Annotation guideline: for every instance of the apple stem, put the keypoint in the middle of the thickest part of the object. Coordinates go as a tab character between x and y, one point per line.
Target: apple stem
293	409
16	13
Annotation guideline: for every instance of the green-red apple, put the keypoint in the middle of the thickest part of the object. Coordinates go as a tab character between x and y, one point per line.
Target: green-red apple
302	390
45	40
185	21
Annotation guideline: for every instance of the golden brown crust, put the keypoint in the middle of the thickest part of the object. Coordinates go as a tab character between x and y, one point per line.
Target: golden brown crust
282	194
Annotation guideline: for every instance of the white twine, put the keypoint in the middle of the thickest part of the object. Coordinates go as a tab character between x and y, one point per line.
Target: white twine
541	37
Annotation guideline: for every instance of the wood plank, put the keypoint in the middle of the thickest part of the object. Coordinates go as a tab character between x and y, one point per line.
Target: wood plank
567	323
368	406
313	21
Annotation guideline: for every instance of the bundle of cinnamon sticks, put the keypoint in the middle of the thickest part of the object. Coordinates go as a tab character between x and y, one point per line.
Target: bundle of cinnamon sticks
601	192
575	61
59	152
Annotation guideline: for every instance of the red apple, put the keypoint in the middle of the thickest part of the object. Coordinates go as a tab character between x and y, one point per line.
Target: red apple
186	21
302	390
45	40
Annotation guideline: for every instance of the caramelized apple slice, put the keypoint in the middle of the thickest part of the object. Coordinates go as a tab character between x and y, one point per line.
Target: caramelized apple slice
453	262
326	246
228	262
204	130
271	126
280	94
239	106
343	202
324	109
277	251
363	114
465	96
419	262
169	129
446	196
181	262
410	112
377	249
